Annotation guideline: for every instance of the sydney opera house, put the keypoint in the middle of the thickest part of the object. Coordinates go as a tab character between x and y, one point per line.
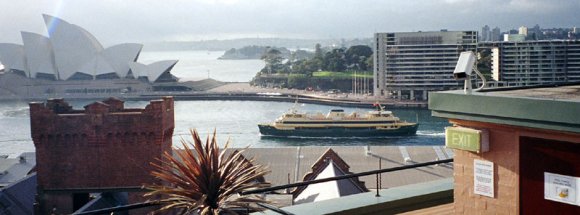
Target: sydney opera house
72	61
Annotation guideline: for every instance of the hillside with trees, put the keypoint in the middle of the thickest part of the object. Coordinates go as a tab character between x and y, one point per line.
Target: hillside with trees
325	68
251	52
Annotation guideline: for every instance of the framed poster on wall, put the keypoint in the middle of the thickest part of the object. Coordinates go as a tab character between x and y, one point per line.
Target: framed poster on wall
483	178
561	188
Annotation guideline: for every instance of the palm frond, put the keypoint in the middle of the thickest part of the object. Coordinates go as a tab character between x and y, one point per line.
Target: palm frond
203	179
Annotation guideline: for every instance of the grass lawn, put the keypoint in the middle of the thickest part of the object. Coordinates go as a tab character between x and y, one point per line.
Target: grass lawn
296	75
349	74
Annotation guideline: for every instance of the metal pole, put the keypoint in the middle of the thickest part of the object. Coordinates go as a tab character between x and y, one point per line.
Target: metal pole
379	178
380	175
377	185
355	82
352	78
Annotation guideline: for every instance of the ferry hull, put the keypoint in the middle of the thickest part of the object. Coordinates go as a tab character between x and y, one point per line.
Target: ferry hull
270	130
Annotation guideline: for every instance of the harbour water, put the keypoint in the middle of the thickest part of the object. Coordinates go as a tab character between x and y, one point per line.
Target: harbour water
236	120
197	65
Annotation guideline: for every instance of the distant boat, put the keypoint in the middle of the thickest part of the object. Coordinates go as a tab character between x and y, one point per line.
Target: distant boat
337	123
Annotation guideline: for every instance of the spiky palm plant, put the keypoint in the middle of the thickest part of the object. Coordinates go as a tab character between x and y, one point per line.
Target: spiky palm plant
205	180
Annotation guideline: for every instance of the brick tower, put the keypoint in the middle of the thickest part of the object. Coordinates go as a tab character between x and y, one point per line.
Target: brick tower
105	148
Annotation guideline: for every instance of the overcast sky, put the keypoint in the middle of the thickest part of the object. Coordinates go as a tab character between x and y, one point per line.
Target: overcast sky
118	21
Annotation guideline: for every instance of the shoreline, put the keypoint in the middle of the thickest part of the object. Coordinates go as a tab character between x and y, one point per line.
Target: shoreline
242	91
282	98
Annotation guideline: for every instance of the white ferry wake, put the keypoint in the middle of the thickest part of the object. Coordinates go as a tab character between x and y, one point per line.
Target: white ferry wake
430	133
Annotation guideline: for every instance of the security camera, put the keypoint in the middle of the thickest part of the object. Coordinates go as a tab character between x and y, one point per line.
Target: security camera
463	69
464	66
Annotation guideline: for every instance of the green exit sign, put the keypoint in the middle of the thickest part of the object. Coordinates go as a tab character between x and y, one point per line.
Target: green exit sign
467	139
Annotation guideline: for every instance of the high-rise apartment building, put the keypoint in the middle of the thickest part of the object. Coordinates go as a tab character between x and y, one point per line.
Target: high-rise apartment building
534	62
496	34
535	33
523	30
409	64
485	34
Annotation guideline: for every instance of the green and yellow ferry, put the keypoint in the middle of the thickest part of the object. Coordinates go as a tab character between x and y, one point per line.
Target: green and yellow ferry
337	123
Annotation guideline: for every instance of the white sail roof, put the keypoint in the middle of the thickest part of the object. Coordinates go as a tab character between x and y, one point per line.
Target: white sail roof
152	71
39	56
73	46
71	51
158	68
138	69
12	56
119	57
97	66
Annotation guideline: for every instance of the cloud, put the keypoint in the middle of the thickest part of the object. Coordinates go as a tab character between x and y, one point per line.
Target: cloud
225	2
113	21
459	1
539	5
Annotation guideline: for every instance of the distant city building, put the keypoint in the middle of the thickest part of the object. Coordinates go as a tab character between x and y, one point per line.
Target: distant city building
534	62
496	34
556	33
72	53
485	34
410	64
523	30
535	33
513	31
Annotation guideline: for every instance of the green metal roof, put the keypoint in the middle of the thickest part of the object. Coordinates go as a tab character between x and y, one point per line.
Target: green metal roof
552	108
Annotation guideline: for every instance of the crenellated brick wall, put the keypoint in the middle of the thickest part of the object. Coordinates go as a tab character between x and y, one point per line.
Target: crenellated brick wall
102	146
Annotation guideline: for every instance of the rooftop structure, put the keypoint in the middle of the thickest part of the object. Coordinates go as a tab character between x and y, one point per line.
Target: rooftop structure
14	169
328	165
72	53
533	140
19	197
410	64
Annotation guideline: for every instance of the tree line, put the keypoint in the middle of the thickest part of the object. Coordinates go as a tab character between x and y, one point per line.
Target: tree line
354	58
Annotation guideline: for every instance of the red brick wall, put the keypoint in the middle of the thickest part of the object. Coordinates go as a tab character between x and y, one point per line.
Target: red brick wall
504	153
103	146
